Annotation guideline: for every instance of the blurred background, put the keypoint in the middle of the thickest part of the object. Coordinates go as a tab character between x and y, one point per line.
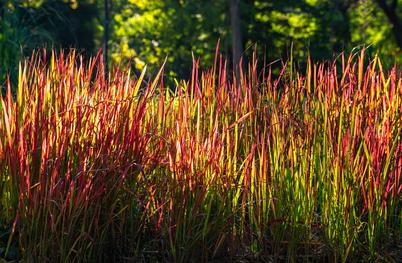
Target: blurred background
146	31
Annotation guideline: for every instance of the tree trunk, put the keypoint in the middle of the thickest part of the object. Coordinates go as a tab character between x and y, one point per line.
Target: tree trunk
343	32
106	39
237	39
390	12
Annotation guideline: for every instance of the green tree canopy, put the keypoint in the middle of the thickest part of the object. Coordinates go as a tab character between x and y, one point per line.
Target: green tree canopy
147	31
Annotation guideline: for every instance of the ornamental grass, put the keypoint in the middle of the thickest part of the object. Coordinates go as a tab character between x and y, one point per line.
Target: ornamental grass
293	166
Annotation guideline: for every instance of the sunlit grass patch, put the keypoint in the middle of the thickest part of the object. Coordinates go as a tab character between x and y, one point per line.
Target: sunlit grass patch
303	165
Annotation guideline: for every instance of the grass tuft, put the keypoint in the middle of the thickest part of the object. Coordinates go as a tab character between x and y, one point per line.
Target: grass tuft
303	166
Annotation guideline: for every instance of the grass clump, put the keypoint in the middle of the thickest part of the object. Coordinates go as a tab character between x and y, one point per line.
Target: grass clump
296	167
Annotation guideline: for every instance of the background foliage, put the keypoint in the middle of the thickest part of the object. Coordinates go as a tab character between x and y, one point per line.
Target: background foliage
147	31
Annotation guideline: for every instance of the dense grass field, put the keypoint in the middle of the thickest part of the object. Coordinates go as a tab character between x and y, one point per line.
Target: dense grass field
294	166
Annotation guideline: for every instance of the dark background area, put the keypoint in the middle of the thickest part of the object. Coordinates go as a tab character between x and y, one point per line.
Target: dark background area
146	31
